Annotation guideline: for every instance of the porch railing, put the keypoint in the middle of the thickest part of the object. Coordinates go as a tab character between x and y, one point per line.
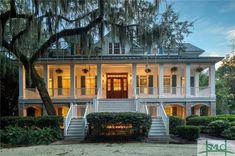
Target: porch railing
146	91
31	93
200	91
85	92
59	92
165	118
174	91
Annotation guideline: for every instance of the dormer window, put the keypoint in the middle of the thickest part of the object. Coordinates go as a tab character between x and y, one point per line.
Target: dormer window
116	48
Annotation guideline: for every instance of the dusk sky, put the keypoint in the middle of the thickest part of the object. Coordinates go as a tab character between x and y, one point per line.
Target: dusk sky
214	23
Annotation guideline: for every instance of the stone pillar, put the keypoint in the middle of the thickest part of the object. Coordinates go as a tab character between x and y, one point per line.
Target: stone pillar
213	109
188	88
45	75
72	81
99	81
161	80
134	79
212	80
21	82
196	83
188	111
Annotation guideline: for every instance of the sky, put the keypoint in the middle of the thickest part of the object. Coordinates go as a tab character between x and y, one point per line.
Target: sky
214	25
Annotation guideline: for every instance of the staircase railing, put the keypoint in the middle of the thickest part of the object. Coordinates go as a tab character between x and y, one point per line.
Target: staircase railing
68	118
165	118
85	119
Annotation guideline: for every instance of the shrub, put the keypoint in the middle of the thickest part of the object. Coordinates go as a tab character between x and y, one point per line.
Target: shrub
113	124
29	136
43	121
205	120
217	127
175	121
229	133
188	132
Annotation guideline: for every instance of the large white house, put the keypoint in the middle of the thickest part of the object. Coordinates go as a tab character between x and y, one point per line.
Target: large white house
118	78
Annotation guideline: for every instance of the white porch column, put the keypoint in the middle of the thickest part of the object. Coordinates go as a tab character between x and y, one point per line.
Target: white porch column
134	79
45	75
161	80
99	81
196	83
72	81
188	89
212	80
21	82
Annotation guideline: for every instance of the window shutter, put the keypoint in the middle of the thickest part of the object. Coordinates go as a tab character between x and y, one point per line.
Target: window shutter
150	85
59	85
83	85
173	81
96	85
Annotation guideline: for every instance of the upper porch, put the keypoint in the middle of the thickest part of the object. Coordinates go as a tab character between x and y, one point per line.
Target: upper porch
133	80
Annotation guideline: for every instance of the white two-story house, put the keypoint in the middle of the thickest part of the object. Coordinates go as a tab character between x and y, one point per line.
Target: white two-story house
118	78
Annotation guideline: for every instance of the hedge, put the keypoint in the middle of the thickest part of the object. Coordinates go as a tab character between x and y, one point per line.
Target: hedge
40	122
175	121
29	136
229	133
120	123
188	132
217	127
205	120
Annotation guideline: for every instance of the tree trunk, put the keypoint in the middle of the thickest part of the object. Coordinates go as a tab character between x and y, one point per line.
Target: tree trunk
40	84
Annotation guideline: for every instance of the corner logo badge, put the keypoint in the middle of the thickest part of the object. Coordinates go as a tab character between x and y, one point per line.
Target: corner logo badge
215	147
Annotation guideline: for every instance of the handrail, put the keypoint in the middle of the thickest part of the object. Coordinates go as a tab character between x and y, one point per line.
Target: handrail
68	119
85	119
146	109
164	118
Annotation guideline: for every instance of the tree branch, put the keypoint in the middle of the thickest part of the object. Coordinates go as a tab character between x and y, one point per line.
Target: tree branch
63	33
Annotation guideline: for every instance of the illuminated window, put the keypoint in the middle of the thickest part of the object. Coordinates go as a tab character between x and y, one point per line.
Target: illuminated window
117	84
167	84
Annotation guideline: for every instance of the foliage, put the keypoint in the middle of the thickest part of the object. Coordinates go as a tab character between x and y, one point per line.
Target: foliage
44	24
188	132
217	127
137	124
205	120
203	79
29	136
40	122
229	133
8	87
225	88
175	121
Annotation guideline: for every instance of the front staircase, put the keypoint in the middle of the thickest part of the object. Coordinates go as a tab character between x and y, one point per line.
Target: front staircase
75	127
158	131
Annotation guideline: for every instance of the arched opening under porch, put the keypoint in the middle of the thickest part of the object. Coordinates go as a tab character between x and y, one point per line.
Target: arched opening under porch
175	109
33	111
201	109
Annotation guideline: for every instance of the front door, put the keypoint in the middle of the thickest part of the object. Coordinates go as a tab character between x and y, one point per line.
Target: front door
117	85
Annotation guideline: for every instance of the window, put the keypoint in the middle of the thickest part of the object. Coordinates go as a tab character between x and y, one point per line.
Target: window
116	48
110	48
167	84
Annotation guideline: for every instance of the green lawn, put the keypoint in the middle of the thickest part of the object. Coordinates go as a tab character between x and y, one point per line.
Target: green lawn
127	149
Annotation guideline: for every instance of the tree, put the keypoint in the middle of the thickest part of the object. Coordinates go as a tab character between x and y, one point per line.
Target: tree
225	88
8	87
43	23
